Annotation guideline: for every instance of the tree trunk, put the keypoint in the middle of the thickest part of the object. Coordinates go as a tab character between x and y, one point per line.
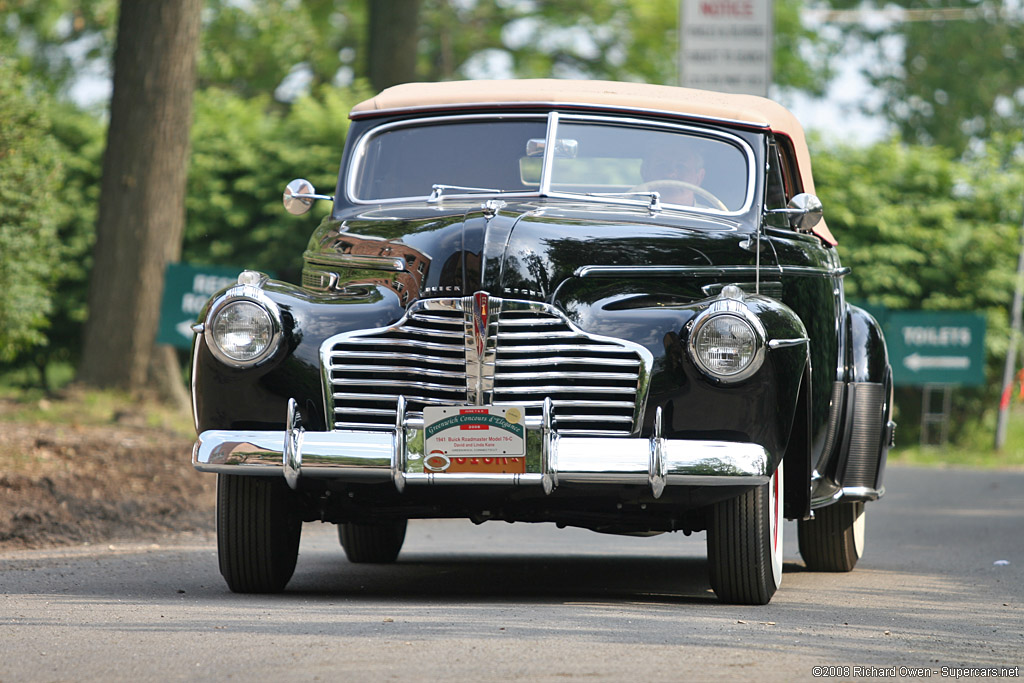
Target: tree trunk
393	27
142	194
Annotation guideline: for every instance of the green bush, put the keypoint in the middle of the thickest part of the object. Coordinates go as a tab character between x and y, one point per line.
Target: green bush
31	174
244	152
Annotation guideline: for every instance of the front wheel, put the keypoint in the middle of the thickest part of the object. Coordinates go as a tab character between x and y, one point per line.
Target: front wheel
258	530
834	540
745	544
376	543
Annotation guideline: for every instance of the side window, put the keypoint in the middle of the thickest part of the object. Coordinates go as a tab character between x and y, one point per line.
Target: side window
775	187
788	164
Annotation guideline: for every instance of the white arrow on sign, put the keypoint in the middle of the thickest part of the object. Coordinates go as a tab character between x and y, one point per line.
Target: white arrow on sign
917	362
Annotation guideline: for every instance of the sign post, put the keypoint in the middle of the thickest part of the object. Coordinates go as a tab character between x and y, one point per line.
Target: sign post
726	45
1011	354
187	288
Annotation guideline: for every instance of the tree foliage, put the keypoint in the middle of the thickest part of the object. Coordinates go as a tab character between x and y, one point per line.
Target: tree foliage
629	40
30	174
958	76
289	48
244	153
57	39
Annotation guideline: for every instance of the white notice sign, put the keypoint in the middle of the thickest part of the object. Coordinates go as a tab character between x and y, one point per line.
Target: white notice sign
726	45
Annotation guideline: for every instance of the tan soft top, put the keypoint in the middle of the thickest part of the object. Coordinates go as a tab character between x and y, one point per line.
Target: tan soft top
745	110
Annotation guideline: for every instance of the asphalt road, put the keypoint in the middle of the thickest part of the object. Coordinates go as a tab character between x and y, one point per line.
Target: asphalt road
941	585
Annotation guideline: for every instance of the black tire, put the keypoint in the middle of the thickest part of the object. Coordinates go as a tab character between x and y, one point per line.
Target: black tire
834	540
377	543
745	545
258	531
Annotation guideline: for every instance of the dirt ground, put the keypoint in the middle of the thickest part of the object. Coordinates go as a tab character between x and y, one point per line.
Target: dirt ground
65	484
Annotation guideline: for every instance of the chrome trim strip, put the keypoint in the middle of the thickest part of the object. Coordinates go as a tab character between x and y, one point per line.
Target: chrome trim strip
392	369
785	343
535	362
401	452
672	271
292	461
814	271
390	263
549	153
824	493
656	469
559	389
549	448
369	113
855	493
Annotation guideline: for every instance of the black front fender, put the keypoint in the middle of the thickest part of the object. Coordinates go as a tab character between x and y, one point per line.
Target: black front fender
257	398
865	432
762	408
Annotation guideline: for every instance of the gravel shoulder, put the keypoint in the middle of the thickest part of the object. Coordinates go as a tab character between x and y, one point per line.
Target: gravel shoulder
69	483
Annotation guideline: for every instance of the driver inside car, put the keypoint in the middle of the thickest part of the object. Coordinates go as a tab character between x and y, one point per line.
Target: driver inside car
674	176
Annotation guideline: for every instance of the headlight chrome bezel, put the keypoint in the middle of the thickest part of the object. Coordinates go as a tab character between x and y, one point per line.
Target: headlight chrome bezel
250	295
737	310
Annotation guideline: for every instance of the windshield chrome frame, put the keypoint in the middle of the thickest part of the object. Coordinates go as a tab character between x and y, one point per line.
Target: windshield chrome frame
553	119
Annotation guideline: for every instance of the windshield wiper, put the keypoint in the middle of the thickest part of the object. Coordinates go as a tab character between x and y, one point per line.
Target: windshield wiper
653	198
437	191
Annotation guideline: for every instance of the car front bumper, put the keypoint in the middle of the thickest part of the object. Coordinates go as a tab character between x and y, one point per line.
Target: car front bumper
382	456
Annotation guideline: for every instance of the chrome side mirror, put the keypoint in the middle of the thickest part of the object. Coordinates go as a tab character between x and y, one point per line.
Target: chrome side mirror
803	212
299	196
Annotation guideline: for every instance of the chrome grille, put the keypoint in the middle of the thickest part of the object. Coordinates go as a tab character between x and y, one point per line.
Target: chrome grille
520	353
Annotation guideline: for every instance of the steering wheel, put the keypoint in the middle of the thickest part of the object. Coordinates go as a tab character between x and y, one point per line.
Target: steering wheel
668	185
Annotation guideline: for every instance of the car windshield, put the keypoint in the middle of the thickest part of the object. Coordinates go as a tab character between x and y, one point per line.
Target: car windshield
602	159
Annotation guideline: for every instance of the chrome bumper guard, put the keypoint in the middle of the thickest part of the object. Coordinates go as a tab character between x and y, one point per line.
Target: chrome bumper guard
381	456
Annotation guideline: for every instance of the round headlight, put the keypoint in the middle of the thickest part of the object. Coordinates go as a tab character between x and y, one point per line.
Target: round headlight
243	331
726	346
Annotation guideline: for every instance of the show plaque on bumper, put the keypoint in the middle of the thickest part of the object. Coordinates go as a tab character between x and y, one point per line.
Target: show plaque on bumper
514	449
472	439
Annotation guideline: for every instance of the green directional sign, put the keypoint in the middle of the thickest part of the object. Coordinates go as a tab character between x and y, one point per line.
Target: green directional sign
936	347
187	288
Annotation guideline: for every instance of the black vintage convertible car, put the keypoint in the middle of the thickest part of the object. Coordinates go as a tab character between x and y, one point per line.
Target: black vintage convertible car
604	305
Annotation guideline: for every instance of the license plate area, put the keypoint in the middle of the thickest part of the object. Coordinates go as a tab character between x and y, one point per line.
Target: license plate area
474	439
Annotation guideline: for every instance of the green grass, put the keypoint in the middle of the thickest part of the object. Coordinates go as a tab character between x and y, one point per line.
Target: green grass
976	448
75	405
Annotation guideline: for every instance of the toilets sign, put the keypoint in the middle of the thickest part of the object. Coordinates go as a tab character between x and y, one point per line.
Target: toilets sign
936	347
187	288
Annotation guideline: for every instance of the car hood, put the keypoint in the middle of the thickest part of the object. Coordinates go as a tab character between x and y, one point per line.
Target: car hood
522	250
